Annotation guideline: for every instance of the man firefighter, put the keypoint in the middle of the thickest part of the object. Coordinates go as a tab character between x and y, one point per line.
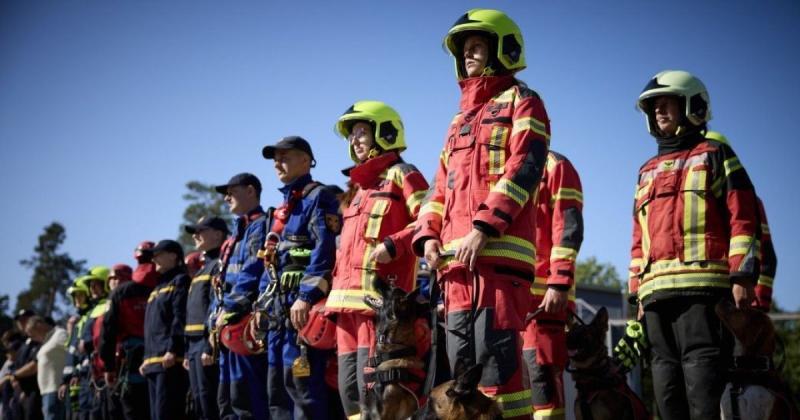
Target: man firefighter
164	321
70	383
242	387
300	254
695	241
122	341
208	233
559	234
481	207
97	283
376	236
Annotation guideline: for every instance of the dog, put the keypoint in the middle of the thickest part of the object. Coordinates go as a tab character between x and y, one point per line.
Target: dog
460	398
403	337
603	392
755	390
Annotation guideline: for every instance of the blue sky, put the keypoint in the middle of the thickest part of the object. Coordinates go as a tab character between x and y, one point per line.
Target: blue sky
107	109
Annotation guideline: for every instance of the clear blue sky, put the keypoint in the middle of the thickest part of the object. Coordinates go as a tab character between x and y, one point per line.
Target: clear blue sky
107	109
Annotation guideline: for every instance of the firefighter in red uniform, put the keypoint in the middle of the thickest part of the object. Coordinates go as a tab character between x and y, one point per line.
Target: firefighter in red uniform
376	235
695	241
559	233
480	213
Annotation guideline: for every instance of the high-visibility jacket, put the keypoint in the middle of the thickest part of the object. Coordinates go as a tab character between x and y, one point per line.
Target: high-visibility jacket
559	227
164	319
383	210
488	174
244	270
695	223
199	298
769	263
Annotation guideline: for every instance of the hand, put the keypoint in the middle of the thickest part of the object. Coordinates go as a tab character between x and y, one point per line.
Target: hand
168	360
62	392
110	377
640	312
221	319
470	246
141	369
185	363
206	359
555	301
381	254
433	249
743	294
299	313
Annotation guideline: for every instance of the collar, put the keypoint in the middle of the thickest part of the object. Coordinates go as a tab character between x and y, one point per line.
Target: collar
479	90
366	174
297	185
250	216
678	143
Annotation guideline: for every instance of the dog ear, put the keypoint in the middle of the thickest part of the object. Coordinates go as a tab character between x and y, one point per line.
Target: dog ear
468	380
601	319
375	303
421	306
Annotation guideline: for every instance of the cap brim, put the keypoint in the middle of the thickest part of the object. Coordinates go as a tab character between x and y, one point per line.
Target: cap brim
268	152
191	229
222	189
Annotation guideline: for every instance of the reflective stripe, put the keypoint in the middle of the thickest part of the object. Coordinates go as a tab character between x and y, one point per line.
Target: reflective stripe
530	123
414	200
539	287
516	404
512	190
673	164
741	245
201	278
354	417
444	157
676	266
350	299
163	290
566	194
504	97
194	327
395	175
506	246
375	218
694	216
684	280
642	216
497	150
159	359
764	229
432	207
563	253
731	165
635	266
368	266
765	280
549	414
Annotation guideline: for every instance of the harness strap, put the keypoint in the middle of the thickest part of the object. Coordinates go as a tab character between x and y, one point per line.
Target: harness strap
392	375
394	354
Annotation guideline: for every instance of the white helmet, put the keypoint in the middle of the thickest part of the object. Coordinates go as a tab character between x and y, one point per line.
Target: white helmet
696	102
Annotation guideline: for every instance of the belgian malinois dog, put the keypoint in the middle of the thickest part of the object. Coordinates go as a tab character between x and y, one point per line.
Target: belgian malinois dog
460	398
756	390
603	393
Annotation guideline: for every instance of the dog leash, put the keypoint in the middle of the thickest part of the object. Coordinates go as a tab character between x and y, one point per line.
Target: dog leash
432	360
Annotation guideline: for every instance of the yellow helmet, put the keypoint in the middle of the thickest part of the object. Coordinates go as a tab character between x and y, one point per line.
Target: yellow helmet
96	273
79	286
689	89
389	133
508	47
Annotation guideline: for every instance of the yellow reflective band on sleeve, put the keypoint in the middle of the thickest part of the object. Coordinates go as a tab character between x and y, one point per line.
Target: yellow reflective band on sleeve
732	165
549	414
194	327
741	245
511	190
159	359
497	150
396	176
350	299
161	291
201	278
566	194
765	281
506	246
563	253
376	218
504	97
414	200
539	287
354	417
432	207
516	404
636	264
694	216
530	123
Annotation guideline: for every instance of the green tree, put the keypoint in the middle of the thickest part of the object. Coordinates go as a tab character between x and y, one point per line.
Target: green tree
789	333
204	201
591	272
53	272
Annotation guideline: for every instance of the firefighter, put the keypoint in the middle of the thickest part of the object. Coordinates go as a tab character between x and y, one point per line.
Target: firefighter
70	385
122	342
695	241
306	225
164	321
768	260
559	233
145	272
208	233
376	235
242	387
93	386
477	225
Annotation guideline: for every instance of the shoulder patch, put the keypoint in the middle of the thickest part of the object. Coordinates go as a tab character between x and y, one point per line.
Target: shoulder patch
405	168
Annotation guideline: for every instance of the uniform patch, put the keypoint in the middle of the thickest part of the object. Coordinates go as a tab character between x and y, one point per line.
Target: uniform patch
333	223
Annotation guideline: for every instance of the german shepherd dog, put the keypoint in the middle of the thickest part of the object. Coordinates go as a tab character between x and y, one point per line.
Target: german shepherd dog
603	392
398	366
755	390
460	398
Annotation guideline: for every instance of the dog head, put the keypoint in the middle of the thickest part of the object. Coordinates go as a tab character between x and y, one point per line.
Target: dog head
396	312
460	398
752	328
586	343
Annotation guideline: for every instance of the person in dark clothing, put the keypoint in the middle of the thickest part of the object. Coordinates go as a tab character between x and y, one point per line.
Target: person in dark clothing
208	235
12	341
23	373
164	321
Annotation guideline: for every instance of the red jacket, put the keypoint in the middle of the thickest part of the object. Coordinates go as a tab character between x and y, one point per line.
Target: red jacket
769	264
695	223
559	226
489	170
383	210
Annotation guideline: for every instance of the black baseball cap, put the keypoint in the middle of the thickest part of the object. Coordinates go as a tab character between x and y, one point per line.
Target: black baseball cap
168	245
24	313
288	143
212	222
244	179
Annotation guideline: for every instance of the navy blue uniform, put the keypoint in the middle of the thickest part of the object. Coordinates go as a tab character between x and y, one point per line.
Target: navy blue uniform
313	209
164	321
